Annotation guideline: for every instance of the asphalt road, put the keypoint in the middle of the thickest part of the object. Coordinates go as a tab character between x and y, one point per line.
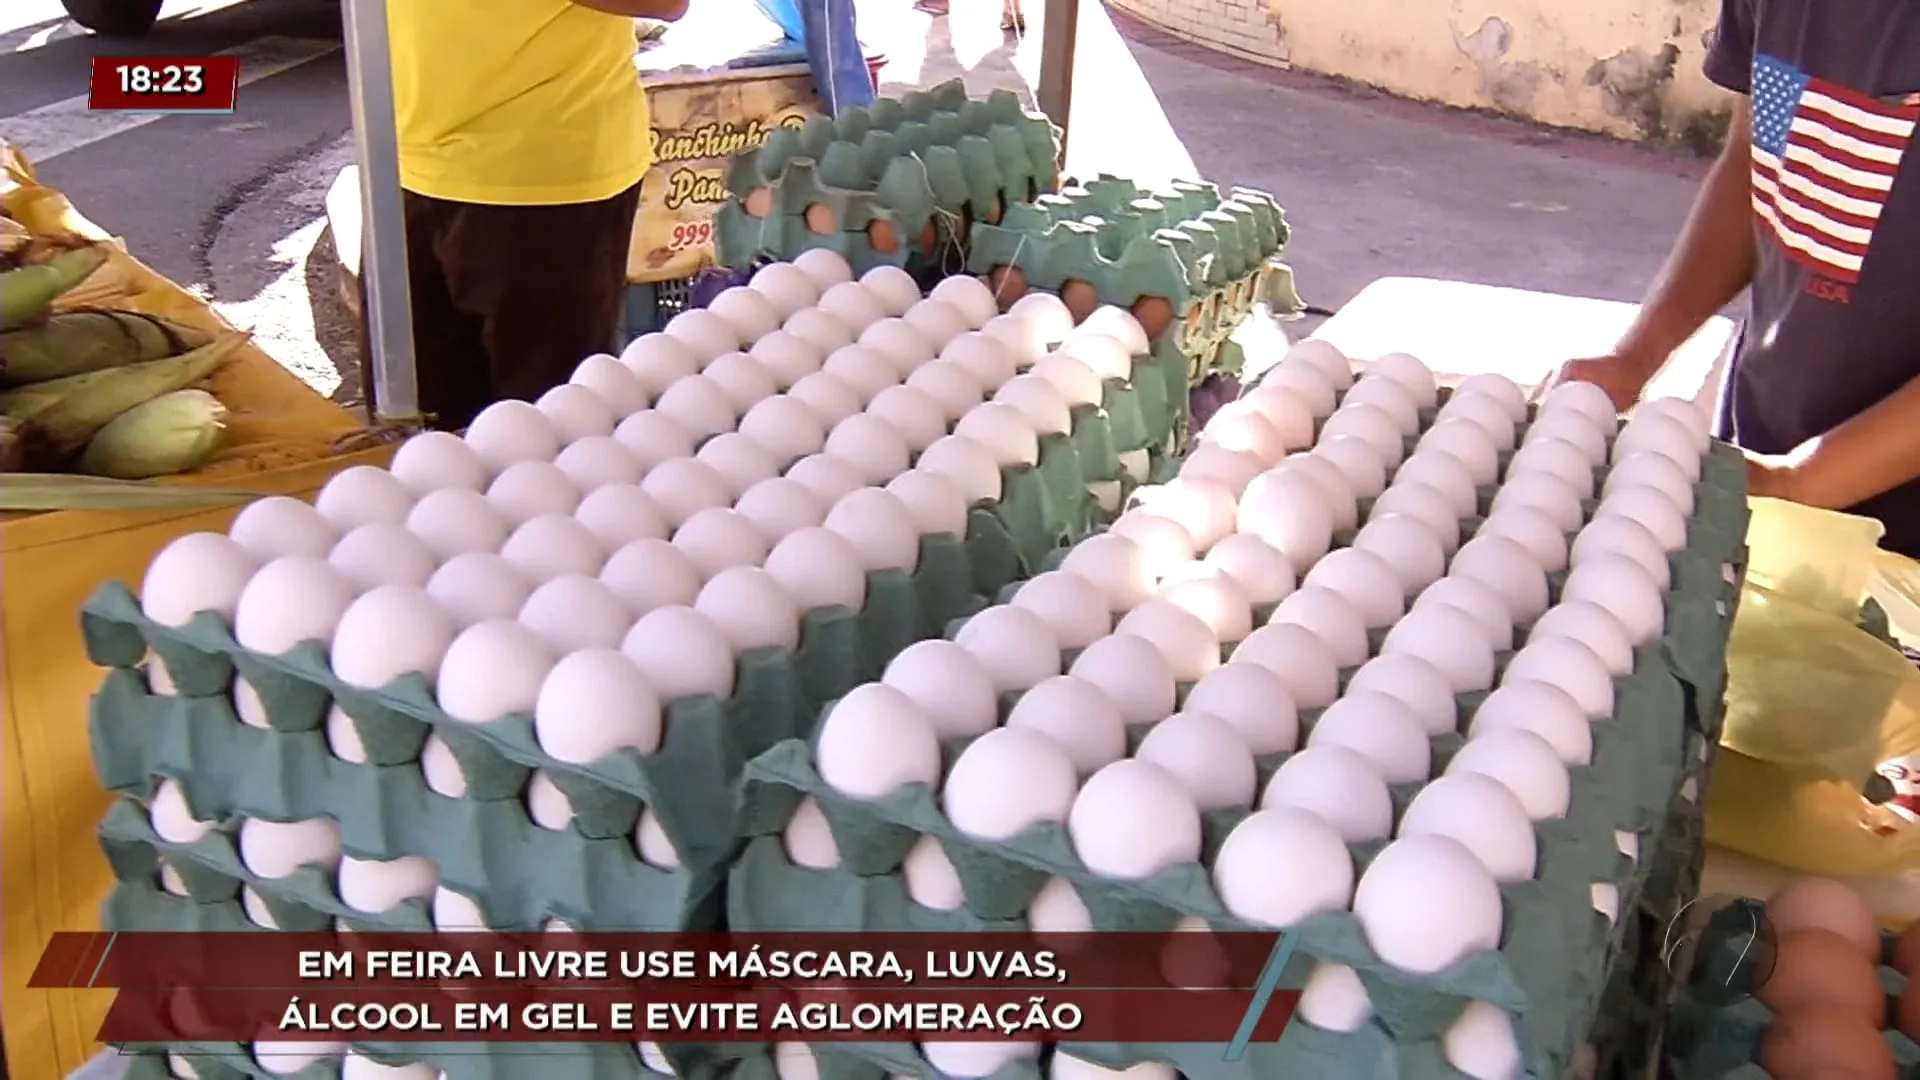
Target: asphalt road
230	206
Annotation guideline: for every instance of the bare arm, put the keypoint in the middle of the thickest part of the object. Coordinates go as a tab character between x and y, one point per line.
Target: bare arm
1869	455
1711	262
667	10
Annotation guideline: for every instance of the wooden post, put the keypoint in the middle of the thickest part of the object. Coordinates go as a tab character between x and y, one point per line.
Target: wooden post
1059	27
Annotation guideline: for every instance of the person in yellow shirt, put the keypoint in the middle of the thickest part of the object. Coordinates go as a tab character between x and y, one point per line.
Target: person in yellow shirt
523	138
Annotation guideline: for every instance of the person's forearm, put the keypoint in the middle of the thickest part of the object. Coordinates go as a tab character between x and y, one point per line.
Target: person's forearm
638	9
1711	261
1869	455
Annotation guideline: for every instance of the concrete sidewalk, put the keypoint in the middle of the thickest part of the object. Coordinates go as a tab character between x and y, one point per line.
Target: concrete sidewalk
1374	186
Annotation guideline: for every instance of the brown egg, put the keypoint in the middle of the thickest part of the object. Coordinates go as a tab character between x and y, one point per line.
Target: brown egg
1811	1043
884	236
1154	314
929	238
1906	950
1820	967
819	218
1906	1012
1824	904
1081	298
1009	284
759	202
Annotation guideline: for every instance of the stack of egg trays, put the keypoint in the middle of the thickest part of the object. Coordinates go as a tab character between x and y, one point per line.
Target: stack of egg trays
1556	960
895	178
1712	1036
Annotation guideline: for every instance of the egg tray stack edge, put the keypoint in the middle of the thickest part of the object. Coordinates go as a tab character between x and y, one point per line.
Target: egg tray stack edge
1559	956
1711	1038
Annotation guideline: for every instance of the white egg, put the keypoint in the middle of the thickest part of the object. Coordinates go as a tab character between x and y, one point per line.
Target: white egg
1417	556
720	538
1366	580
699	405
1468	442
1409	372
1183	638
987	358
1117	323
1325	356
433	460
1340	785
618	514
683	487
892	287
1307	382
1585	399
874	741
599	460
172	818
577	412
510	431
651	573
1334	999
751	312
742	379
593	703
1556	499
1205	510
682	654
1509	569
1450	640
916	416
1165	544
1004	430
934	503
1483	816
1118	565
785	427
1381	728
1229	469
1254	889
492	669
1657	471
1254	701
553	545
1593	626
1425	503
1132	820
1541	708
1444	473
788	286
740	461
1623	587
971	296
1207	755
1049	314
1290	513
653	437
1078	383
1262	569
974	1060
658	361
1647	505
1474	596
363	495
1247	431
930	877
903	344
453	911
1212	595
1488	414
1108	356
391	631
478	586
1074	607
808	838
1444	876
1302	661
1331	617
828	477
951	685
780	506
879	528
830	398
822	331
1022	339
751	609
377	554
1291	415
1081	718
1017	647
1524	763
1365	474
276	849
279	525
819	568
950	384
1557	458
867	371
706	334
1497	388
1567	664
1058	909
1481	1044
938	321
618	386
380	885
1043	406
528	489
1387	395
1132	672
1537	535
1569	427
198	572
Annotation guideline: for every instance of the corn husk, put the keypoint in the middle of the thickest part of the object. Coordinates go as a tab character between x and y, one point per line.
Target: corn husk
36	492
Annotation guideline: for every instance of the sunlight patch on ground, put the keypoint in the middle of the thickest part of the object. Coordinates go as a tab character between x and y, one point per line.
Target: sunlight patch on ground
1118	125
279	315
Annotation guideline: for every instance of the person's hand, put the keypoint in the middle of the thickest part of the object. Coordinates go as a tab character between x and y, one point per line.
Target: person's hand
1620	376
1776	476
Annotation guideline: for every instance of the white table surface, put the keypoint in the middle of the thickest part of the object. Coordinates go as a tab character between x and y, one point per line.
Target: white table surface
1460	328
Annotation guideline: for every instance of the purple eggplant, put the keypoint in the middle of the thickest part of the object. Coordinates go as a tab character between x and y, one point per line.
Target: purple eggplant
708	284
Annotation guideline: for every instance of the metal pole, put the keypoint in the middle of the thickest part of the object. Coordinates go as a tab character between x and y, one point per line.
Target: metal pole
1059	27
383	239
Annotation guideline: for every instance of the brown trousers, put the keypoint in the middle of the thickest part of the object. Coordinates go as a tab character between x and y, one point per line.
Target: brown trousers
507	300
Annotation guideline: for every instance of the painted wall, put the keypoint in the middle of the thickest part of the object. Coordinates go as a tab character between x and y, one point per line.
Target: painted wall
1627	68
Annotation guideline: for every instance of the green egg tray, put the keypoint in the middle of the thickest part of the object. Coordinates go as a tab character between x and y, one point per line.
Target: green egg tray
1559	958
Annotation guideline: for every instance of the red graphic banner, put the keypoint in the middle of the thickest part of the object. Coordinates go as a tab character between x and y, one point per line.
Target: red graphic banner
164	83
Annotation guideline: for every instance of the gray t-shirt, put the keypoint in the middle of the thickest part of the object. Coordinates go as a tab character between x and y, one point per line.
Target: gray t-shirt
1835	327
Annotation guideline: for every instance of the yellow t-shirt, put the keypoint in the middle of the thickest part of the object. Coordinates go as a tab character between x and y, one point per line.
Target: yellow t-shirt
516	102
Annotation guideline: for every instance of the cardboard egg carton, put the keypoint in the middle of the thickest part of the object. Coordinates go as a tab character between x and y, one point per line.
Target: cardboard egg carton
1559	961
892	184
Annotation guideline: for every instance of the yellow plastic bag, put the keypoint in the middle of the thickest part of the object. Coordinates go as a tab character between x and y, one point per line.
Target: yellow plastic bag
1815	703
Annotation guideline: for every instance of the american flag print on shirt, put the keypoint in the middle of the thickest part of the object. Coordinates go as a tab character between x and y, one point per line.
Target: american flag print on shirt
1824	159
